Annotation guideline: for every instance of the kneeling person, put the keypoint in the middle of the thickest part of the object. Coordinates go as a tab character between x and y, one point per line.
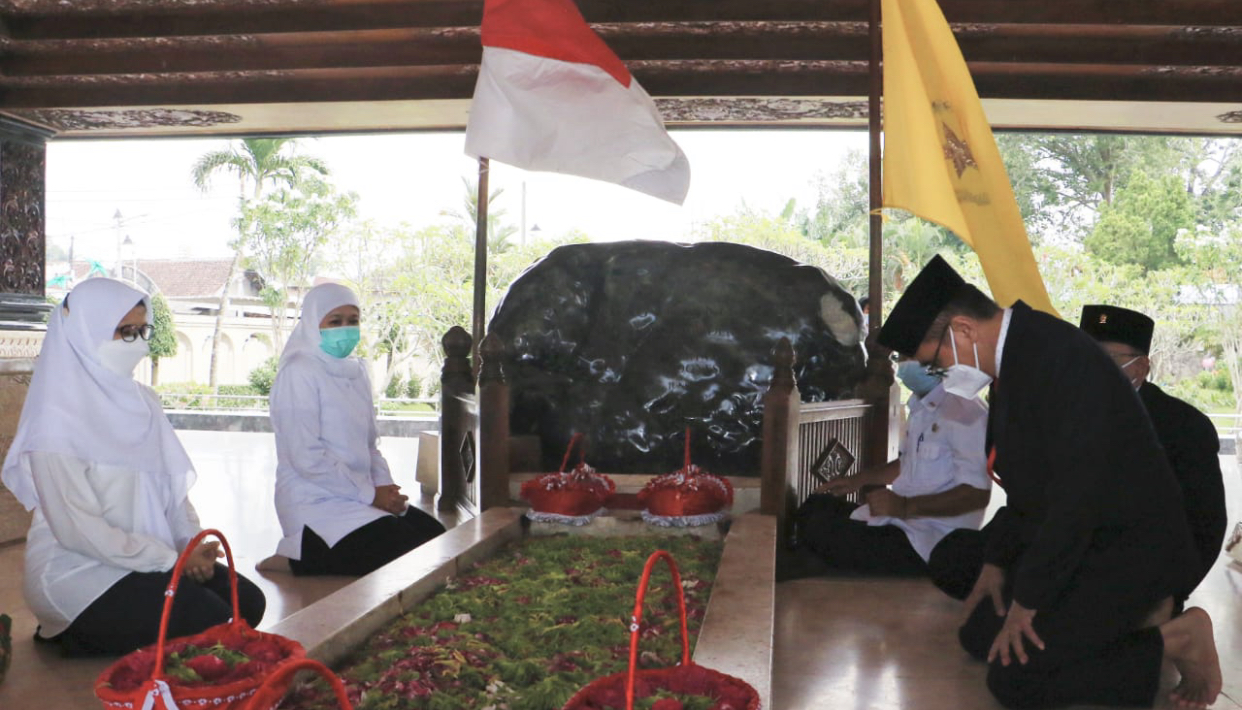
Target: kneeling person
939	484
338	506
1188	437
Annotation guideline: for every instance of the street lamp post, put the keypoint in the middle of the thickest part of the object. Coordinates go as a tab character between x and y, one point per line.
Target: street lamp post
116	223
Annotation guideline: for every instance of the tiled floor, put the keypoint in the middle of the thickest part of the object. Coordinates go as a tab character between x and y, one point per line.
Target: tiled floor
840	643
892	643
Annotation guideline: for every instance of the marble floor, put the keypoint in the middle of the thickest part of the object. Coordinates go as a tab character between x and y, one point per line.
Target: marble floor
881	644
840	643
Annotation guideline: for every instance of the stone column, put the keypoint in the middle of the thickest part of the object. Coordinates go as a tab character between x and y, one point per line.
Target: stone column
23	307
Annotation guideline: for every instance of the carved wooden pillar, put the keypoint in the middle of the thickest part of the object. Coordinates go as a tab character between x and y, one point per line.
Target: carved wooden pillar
23	309
879	391
493	436
456	437
781	410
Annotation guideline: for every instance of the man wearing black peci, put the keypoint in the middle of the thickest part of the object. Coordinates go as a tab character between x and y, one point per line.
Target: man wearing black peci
1074	601
1188	437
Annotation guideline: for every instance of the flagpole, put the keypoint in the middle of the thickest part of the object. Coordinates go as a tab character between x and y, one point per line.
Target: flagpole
875	288
480	263
877	451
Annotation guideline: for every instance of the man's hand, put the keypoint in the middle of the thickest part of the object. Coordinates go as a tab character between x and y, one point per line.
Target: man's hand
1017	625
991	580
388	498
842	485
883	501
200	566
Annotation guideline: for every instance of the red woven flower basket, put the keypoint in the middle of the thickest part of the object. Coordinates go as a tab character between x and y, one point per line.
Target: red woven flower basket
137	680
570	497
619	690
273	689
686	497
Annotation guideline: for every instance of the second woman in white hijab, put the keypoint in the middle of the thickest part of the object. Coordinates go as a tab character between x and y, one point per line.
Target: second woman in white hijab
338	506
99	464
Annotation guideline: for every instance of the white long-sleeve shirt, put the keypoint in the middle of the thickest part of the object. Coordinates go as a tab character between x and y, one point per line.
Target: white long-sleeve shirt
86	533
328	460
943	449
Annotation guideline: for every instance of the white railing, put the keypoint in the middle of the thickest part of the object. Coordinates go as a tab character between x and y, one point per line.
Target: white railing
250	403
1227	424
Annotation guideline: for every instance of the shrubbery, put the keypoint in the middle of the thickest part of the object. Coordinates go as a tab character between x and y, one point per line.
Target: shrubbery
189	395
261	377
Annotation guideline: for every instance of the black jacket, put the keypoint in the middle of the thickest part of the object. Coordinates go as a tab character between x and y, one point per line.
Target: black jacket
1192	446
1087	484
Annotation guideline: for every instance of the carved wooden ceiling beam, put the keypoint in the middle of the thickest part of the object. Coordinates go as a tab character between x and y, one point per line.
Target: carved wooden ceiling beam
53	19
662	78
1091	44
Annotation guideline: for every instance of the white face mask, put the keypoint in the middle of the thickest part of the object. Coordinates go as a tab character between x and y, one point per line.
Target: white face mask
964	380
122	357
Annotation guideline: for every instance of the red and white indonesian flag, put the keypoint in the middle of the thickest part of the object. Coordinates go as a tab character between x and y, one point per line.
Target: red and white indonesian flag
552	96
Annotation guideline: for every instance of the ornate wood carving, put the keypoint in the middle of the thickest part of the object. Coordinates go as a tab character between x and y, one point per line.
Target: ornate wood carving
22	190
75	120
456	386
493	488
833	462
709	110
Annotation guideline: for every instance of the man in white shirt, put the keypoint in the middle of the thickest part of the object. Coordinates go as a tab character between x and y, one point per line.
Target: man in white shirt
939	483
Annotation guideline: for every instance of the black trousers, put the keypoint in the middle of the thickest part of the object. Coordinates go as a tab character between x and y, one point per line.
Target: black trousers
1094	652
127	616
955	562
823	525
369	547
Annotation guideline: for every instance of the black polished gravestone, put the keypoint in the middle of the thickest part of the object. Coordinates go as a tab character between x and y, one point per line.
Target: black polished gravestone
632	342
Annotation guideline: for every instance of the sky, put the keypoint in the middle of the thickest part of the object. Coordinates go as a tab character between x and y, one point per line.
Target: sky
411	178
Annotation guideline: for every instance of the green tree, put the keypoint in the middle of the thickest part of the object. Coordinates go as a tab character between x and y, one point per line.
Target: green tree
163	341
499	232
256	163
841	206
1143	221
285	231
1215	258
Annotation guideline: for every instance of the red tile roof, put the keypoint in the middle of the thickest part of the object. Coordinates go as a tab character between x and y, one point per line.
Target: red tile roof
175	278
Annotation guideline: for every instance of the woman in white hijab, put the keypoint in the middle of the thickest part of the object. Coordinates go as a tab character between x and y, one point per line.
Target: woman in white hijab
99	464
338	506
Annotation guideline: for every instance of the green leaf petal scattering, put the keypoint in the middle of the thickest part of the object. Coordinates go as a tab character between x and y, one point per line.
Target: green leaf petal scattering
528	628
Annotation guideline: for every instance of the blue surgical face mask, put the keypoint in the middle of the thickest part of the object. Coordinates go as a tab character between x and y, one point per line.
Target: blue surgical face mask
339	342
916	377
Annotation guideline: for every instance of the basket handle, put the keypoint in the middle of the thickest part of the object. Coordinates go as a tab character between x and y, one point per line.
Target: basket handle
687	450
569	449
637	617
274	687
171	591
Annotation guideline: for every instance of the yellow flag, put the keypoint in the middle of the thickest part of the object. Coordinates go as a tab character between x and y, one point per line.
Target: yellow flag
940	159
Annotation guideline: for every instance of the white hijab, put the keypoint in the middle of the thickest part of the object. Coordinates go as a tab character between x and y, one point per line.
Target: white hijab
77	407
305	339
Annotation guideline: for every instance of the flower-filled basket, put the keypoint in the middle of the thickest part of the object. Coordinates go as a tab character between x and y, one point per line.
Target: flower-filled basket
680	684
568	497
688	496
220	668
273	689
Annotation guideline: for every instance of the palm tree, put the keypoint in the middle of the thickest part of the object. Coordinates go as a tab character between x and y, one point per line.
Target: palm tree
256	162
498	232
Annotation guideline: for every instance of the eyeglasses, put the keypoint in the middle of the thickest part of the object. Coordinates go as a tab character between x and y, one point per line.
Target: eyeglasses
130	333
932	368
